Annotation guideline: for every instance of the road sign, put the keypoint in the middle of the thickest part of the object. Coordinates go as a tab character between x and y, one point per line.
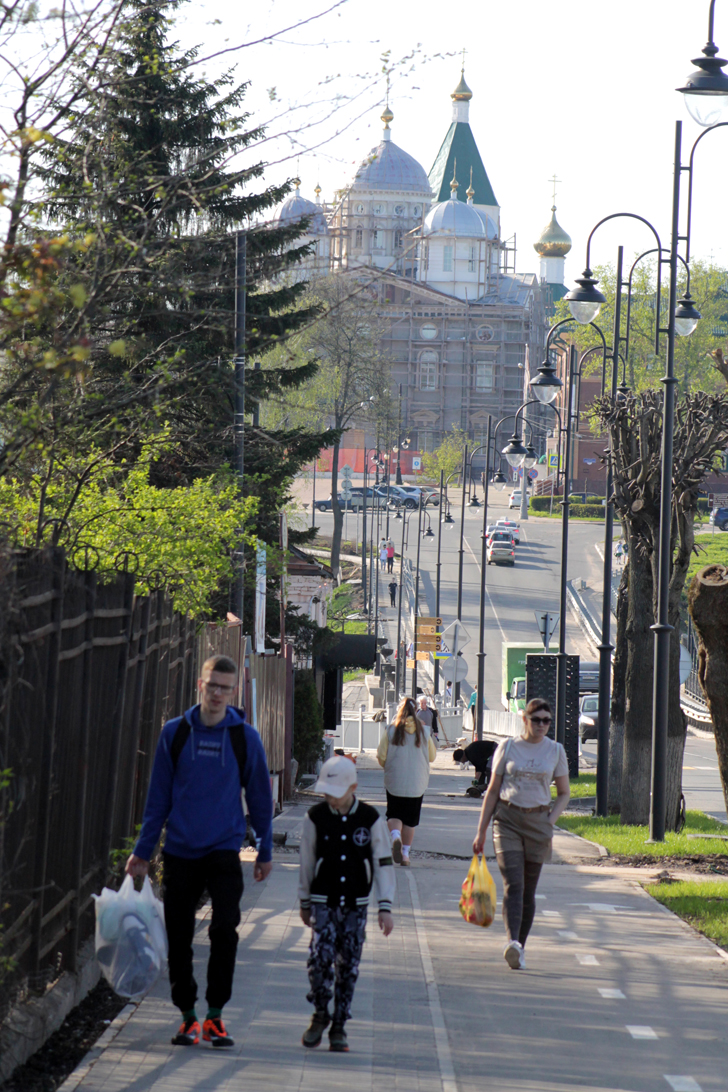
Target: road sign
454	670
422	655
546	622
416	463
533	474
345	490
410	663
457	628
346	471
423	620
553	461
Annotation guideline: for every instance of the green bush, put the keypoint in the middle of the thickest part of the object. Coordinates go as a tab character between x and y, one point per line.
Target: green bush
308	723
542	503
587	511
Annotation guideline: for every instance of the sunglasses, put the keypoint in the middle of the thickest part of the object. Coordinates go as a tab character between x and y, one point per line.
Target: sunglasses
215	688
540	720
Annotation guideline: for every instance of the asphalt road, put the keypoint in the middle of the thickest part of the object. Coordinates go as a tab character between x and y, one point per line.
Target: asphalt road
512	596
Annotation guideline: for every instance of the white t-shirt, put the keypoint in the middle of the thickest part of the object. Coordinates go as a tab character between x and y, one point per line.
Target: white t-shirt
528	770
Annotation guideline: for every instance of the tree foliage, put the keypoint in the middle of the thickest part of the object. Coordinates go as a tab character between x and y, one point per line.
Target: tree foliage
694	366
448	457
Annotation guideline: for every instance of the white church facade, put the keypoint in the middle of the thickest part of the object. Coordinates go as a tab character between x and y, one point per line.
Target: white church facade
461	324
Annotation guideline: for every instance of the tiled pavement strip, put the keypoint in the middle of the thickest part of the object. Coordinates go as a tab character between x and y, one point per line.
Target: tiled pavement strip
436	1008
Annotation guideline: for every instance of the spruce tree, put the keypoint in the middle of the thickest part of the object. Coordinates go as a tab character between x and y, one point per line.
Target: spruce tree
147	168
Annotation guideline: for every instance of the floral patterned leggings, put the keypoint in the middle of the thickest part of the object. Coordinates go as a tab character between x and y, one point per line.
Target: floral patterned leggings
337	938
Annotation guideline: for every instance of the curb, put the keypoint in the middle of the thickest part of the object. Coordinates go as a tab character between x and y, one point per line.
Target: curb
700	733
74	1079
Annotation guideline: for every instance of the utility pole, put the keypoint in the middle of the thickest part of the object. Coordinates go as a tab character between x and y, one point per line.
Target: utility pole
461	552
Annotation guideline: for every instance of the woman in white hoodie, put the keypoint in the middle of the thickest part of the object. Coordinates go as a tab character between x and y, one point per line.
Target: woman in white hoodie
405	751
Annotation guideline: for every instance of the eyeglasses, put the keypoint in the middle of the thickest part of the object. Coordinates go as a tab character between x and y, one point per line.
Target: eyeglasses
215	688
540	720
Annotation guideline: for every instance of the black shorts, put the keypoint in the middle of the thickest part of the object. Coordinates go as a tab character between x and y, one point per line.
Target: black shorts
405	808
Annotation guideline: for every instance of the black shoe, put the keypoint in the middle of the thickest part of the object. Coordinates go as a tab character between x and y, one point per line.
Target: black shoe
313	1034
337	1039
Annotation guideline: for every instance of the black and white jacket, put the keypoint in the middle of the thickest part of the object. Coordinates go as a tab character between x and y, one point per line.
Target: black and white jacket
342	855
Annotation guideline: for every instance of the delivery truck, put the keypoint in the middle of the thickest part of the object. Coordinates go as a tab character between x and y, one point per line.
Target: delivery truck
514	674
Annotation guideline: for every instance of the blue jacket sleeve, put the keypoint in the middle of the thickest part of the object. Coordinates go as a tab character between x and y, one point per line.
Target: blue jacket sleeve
159	797
258	794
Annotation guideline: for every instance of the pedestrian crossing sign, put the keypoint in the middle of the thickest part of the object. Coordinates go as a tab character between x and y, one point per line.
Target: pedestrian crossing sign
553	461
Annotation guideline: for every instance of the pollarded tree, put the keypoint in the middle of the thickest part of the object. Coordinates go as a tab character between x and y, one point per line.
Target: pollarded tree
635	428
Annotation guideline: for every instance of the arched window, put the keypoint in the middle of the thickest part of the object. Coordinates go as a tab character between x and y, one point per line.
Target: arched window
358	238
377	238
398	239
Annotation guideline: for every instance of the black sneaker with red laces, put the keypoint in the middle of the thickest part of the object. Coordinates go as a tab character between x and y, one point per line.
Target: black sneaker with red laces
213	1031
188	1034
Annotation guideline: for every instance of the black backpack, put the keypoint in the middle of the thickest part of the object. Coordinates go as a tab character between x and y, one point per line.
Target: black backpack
237	742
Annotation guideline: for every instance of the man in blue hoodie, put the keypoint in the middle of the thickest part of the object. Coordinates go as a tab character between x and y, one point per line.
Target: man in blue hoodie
203	759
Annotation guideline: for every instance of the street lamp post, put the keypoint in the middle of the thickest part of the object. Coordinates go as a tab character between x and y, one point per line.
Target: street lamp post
437	577
417	594
461	552
483	569
239	418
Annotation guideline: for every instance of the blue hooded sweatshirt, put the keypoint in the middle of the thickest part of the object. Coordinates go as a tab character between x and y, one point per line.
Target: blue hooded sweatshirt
200	799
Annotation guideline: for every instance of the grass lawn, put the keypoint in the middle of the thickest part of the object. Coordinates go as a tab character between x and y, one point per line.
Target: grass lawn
714	551
353	676
632	841
583	785
704	905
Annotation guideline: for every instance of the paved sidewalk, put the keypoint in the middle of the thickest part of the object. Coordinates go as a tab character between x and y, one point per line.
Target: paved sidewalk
618	994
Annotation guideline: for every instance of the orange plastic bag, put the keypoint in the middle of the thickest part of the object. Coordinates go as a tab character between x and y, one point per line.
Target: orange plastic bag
478	900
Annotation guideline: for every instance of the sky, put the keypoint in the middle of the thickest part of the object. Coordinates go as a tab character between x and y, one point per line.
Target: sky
575	89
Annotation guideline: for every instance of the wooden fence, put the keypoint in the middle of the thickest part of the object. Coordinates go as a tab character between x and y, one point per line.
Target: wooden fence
90	674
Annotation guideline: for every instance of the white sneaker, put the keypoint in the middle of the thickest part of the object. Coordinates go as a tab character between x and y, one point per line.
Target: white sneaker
513	956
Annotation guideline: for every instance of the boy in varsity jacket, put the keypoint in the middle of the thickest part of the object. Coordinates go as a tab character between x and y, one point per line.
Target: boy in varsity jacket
345	847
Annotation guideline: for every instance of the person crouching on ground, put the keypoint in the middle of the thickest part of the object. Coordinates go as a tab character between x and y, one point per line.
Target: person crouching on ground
518	799
202	761
344	848
479	753
405	751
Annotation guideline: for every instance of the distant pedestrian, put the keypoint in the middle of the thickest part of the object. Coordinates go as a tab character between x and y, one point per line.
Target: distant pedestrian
518	799
203	759
426	716
479	753
383	555
345	847
405	751
448	691
390	556
392	592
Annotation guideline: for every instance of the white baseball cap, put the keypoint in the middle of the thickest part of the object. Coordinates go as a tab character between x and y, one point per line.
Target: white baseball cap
337	775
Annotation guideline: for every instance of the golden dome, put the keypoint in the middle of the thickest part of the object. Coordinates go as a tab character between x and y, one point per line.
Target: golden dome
462	92
553	241
387	116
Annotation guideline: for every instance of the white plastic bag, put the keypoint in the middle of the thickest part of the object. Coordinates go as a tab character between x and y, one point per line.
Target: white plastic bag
131	941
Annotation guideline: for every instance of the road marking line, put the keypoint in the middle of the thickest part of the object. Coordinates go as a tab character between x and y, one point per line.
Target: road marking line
588	960
612	994
551	913
567	934
601	907
495	614
683	1084
444	1057
639	1031
540	896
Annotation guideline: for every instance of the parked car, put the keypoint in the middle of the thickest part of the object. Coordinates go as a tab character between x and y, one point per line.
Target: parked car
376	497
719	518
431	496
588	676
402	497
588	717
514	501
513	527
501	549
324	505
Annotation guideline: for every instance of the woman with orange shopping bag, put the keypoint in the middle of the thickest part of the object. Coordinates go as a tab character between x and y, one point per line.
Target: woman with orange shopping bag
518	800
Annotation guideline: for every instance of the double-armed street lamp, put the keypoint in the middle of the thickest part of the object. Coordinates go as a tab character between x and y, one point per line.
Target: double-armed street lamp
706	97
